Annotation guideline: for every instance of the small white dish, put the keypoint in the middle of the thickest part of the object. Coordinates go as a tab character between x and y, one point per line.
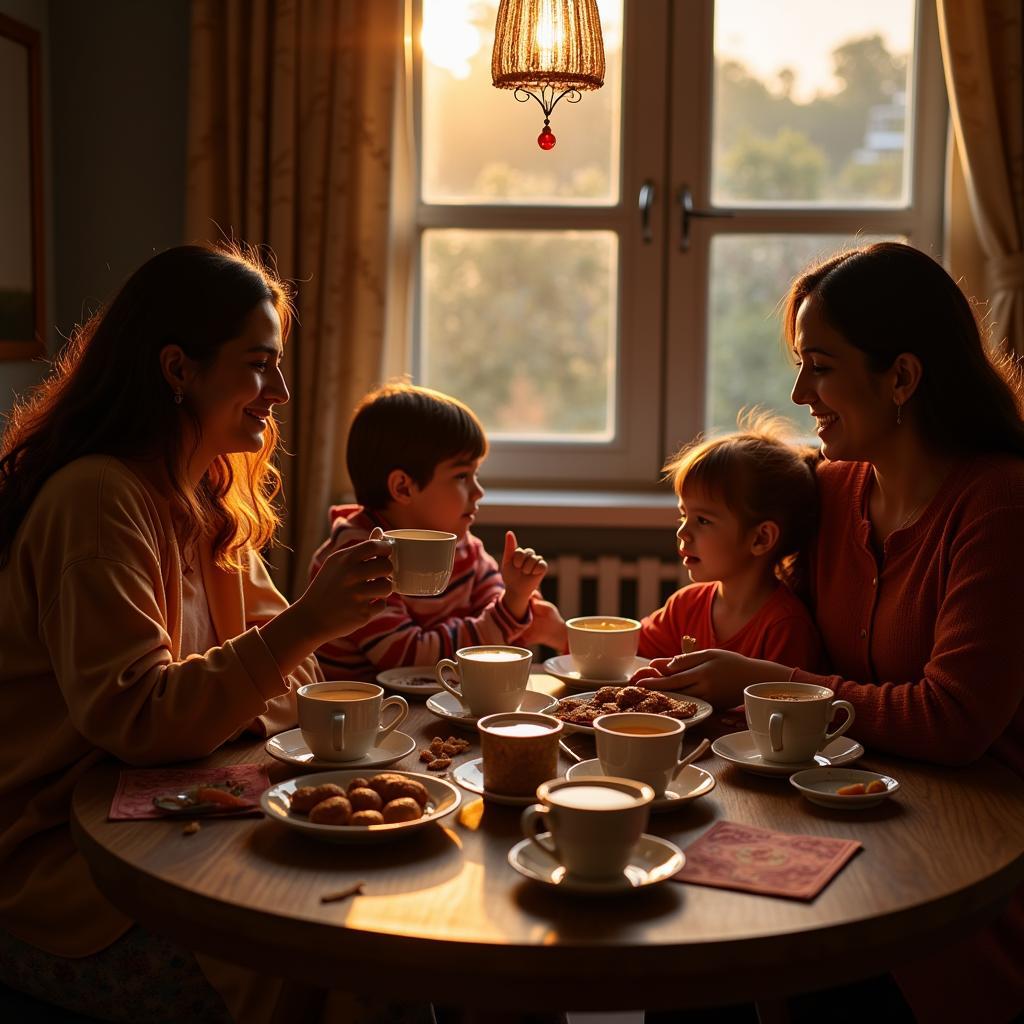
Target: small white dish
412	680
738	748
704	709
450	708
291	748
819	785
692	782
653	860
470	775
444	798
563	666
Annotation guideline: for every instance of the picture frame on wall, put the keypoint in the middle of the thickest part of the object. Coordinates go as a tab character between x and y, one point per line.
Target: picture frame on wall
22	276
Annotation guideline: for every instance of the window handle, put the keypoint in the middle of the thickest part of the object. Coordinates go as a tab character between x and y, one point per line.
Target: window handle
688	213
645	201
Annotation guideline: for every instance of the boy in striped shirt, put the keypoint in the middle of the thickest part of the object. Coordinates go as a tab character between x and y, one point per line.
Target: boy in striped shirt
413	455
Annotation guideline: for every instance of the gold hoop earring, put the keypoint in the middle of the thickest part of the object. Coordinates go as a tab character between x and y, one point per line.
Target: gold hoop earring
179	396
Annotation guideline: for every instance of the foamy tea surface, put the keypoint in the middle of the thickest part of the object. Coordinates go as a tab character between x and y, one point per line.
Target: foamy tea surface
591	798
492	656
520	729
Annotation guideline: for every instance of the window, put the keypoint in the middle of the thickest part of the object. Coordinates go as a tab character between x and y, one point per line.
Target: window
603	302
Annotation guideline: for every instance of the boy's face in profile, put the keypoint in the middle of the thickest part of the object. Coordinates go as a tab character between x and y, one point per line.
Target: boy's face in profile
449	501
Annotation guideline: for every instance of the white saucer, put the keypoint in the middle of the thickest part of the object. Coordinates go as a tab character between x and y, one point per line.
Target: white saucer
470	775
443	799
690	783
291	748
704	709
412	680
653	860
738	748
819	785
445	706
563	667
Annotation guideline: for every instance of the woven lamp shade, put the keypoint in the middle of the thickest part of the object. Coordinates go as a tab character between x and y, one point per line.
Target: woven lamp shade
548	42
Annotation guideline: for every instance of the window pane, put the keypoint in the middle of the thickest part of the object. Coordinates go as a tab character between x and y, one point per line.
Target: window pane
480	146
750	275
811	102
520	325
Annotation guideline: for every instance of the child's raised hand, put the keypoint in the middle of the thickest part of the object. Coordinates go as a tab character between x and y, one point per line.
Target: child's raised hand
522	569
548	627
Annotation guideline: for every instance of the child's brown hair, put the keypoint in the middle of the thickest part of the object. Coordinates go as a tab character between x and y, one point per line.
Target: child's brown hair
403	426
761	474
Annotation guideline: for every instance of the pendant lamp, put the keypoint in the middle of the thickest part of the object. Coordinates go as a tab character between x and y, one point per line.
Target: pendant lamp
547	50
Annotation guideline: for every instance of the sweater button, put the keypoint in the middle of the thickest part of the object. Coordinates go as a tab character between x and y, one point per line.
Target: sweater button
863	634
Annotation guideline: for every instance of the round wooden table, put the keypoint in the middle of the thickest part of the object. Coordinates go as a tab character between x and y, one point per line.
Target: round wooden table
446	918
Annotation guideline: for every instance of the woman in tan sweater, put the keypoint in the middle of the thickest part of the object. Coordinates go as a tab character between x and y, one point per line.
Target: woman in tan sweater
137	618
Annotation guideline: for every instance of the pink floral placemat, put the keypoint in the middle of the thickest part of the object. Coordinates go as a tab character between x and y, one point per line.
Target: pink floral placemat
734	856
137	787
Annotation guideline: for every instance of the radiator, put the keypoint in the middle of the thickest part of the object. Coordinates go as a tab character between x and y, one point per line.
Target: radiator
610	585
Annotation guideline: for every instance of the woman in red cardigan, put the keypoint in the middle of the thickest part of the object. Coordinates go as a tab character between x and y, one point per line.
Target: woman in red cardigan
918	572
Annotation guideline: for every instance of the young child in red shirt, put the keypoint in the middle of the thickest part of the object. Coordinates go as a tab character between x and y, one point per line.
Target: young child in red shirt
413	455
747	506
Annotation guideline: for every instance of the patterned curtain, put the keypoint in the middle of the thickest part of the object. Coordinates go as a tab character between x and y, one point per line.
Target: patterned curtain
291	105
982	52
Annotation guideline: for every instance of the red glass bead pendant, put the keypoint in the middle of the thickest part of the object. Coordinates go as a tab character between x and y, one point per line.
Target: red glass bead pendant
546	140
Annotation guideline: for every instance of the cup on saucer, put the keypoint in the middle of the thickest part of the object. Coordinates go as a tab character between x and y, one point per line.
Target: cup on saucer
519	750
789	721
603	646
342	721
636	745
594	823
491	678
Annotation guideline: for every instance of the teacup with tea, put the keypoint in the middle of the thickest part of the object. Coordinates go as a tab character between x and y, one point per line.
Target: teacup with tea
519	750
490	678
636	745
343	721
603	646
422	560
789	722
595	823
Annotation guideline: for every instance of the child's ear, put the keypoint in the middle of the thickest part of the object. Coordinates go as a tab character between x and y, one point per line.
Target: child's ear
400	486
765	537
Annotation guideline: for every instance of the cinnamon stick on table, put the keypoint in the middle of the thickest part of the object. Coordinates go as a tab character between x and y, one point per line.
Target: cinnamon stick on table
343	894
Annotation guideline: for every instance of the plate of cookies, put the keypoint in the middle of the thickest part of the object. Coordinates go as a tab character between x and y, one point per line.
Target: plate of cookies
577	713
356	807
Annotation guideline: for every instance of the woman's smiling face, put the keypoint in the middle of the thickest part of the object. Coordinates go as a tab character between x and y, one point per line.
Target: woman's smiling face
853	405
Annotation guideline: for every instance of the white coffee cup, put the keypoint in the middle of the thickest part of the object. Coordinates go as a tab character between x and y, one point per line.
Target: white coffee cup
636	745
342	721
422	561
789	721
492	678
603	646
595	823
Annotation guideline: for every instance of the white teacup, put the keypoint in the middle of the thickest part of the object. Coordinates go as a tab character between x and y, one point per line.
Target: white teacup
341	721
492	678
422	560
789	721
594	823
603	646
635	745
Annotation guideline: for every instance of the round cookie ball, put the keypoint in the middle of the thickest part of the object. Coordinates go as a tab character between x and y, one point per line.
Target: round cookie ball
402	809
334	811
366	818
365	799
378	782
357	783
396	789
306	798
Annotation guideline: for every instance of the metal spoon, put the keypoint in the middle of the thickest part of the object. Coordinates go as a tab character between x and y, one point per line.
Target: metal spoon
568	750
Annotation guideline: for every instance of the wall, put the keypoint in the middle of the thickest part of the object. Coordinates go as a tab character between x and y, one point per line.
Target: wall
116	77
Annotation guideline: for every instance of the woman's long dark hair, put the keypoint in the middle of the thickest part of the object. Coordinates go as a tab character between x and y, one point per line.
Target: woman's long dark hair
106	394
890	298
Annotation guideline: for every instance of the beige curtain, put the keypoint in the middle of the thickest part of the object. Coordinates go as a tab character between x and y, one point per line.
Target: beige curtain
289	146
982	51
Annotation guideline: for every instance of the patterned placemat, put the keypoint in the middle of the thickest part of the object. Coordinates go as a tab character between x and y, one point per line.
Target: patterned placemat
137	786
734	856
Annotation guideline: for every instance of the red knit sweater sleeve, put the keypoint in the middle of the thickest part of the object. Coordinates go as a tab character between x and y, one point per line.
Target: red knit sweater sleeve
973	683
